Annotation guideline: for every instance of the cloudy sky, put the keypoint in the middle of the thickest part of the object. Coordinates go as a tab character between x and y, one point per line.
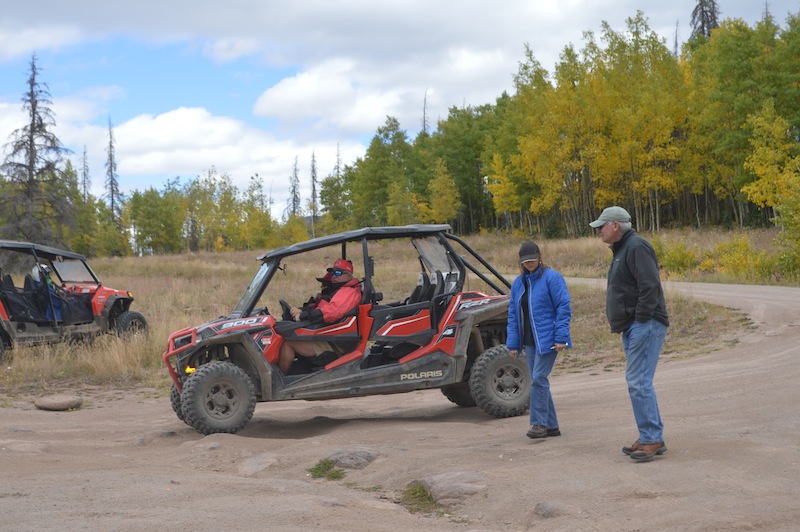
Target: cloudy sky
247	86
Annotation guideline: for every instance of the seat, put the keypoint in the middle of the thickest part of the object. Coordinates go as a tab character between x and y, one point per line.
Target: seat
437	282
420	291
8	282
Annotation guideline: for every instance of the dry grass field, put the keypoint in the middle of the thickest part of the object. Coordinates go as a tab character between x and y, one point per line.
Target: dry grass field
177	291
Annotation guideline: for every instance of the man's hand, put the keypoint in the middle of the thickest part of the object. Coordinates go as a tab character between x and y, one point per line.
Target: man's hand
513	353
295	312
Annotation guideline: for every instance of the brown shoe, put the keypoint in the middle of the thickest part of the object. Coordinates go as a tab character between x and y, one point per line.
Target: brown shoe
648	450
633	448
537	431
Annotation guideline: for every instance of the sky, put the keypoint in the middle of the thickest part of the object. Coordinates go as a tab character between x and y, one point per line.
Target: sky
248	87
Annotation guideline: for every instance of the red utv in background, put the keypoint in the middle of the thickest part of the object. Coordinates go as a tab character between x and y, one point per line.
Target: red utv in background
440	334
50	295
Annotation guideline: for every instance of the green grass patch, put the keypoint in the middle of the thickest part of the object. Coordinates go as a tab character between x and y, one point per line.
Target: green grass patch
326	469
417	499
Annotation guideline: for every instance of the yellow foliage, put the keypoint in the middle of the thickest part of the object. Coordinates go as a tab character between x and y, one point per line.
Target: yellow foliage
503	191
771	159
444	203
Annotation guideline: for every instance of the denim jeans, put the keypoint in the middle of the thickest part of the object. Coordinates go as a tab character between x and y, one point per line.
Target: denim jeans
543	412
642	343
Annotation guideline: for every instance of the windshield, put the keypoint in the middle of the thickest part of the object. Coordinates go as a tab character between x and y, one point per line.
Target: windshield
434	254
253	290
73	271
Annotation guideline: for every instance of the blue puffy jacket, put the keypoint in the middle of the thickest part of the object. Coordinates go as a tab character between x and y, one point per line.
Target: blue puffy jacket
549	309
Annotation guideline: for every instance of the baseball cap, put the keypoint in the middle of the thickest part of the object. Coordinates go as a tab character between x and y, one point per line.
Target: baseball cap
528	251
342	264
611	214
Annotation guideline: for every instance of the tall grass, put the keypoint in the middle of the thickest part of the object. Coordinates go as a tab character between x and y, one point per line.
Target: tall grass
178	291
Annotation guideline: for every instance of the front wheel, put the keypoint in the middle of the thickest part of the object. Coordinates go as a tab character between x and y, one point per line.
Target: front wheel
218	397
130	323
500	384
175	401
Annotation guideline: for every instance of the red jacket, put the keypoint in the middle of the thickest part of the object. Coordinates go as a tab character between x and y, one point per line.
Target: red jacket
331	310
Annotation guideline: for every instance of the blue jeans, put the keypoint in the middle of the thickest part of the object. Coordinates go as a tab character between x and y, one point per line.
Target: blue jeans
642	343
543	412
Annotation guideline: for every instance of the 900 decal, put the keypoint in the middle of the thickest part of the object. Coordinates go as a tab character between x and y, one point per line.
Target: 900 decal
240	323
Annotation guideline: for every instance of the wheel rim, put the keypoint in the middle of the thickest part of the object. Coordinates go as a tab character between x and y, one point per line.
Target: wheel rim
507	381
221	400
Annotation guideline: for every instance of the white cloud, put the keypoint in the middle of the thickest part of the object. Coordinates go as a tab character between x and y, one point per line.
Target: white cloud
329	97
310	94
16	41
223	50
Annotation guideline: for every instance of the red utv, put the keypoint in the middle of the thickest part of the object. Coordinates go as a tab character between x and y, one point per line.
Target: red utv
439	334
50	295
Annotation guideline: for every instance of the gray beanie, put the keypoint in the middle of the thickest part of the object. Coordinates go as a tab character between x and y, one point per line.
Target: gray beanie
528	251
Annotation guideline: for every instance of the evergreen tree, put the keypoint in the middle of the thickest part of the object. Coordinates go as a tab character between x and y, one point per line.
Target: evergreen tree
116	242
293	209
112	180
313	203
335	197
85	179
35	200
705	17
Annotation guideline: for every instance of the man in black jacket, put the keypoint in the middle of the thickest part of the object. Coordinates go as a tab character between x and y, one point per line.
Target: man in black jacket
635	308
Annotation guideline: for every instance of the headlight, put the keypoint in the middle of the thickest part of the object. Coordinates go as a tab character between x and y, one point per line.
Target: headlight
183	341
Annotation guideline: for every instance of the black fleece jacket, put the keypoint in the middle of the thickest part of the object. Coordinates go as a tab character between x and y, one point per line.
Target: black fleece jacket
634	286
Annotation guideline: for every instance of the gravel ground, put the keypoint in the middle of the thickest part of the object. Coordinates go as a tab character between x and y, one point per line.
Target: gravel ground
123	461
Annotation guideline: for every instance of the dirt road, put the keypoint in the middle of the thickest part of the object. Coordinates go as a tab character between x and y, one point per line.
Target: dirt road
125	462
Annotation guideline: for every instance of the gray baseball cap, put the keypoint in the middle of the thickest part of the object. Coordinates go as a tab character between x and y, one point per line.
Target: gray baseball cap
611	214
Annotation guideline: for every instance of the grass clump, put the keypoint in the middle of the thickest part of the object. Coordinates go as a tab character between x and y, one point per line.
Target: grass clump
326	469
417	499
365	489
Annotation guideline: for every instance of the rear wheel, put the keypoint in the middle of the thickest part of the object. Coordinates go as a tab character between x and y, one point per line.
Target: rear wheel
500	384
459	394
218	397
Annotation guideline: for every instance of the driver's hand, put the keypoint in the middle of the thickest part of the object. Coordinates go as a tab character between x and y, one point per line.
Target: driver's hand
295	312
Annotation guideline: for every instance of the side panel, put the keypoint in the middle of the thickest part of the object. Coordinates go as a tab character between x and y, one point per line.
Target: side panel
351	380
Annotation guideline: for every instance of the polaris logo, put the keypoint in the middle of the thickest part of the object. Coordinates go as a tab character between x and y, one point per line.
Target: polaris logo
239	323
420	375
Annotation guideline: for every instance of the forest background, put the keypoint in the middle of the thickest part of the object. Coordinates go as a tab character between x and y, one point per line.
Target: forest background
707	136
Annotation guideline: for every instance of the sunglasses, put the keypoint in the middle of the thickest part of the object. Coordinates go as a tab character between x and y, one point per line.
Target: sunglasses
337	273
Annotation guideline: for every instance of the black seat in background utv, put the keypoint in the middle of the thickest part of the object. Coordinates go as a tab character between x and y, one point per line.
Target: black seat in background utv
420	291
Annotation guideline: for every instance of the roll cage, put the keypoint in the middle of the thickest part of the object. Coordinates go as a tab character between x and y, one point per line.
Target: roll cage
432	242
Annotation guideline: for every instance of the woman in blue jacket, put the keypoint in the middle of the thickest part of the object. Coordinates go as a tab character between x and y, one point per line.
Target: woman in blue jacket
538	319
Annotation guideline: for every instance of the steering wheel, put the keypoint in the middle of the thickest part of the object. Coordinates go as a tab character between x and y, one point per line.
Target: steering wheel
286	308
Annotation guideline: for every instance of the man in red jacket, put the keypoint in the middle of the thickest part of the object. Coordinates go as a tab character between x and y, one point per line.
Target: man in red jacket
331	305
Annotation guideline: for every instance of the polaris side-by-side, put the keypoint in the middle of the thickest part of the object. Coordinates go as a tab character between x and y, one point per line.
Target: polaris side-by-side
51	295
439	334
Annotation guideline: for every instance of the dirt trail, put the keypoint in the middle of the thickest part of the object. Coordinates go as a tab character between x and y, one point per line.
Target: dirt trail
125	462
